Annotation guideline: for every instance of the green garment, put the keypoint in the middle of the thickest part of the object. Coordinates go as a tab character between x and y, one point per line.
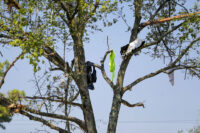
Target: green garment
112	63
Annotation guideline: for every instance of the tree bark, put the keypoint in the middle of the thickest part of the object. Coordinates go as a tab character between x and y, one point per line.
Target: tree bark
113	118
81	81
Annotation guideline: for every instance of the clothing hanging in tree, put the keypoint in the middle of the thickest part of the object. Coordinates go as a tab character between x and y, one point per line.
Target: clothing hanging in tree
171	74
91	75
112	63
125	50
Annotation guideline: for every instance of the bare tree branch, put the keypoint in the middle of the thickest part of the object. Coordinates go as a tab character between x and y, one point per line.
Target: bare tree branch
31	117
146	77
160	39
158	21
194	73
18	108
103	70
54	100
132	105
57	116
75	97
159	8
186	50
174	1
10	66
162	69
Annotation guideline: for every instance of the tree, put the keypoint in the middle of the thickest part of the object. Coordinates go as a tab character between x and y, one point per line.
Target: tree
38	27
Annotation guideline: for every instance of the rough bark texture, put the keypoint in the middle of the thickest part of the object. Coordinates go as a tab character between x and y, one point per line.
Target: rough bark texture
81	80
113	118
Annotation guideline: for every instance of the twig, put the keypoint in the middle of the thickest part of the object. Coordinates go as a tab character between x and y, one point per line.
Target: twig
31	117
132	105
103	70
162	70
11	65
54	100
158	21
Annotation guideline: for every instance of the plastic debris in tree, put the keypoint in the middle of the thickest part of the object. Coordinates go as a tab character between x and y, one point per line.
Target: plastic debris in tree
125	50
112	63
171	74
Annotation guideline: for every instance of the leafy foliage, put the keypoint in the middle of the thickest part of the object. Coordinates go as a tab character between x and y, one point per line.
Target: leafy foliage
16	95
3	67
4	116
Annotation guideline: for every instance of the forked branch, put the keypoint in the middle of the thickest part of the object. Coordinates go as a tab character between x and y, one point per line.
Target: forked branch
103	70
132	105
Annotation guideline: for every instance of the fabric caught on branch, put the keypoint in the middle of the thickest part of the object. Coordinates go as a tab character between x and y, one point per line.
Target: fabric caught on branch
112	63
125	50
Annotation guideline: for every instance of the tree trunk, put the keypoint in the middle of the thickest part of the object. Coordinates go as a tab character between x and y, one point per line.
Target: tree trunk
112	125
81	80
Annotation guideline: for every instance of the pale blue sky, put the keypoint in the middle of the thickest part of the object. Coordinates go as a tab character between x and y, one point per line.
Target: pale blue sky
167	108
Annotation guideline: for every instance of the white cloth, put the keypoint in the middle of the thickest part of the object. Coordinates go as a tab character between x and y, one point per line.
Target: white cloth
133	45
63	83
171	78
171	74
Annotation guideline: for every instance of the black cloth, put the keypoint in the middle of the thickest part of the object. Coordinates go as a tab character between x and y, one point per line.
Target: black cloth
124	49
91	75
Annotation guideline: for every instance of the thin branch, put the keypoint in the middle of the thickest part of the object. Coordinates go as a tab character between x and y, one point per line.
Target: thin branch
76	9
132	105
181	6
162	70
159	8
146	77
57	116
55	58
186	50
104	58
10	66
194	73
158	21
31	117
4	36
20	109
55	69
40	93
75	97
160	39
54	100
103	70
